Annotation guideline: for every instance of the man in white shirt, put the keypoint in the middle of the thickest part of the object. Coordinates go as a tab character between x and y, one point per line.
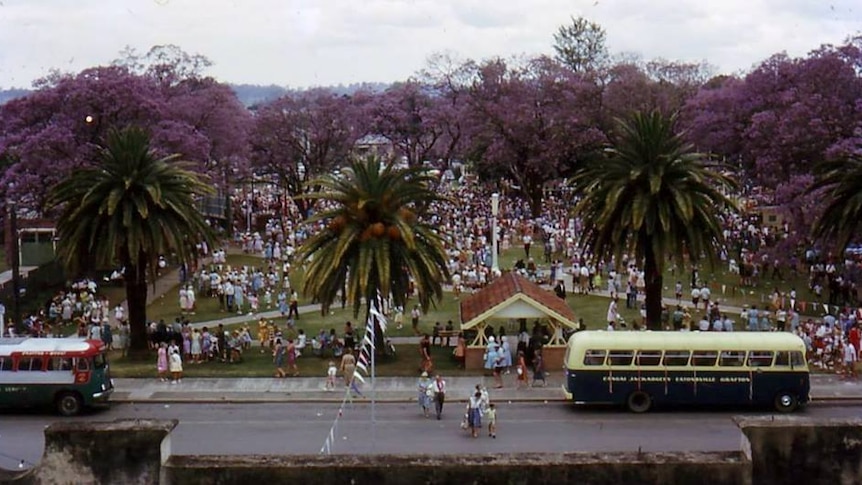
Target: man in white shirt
704	295
613	312
695	296
850	358
229	293
439	388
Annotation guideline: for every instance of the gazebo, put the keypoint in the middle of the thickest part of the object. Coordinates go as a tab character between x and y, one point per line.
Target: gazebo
512	296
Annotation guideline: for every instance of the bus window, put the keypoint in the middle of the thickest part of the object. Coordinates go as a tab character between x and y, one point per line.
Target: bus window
59	363
782	359
760	358
797	359
704	357
732	358
649	357
676	358
99	361
30	364
5	364
594	357
81	364
621	357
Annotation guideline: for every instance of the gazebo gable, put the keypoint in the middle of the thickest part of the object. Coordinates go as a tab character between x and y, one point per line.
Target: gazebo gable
512	296
509	309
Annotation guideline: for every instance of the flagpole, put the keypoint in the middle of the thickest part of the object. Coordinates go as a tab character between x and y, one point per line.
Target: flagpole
373	380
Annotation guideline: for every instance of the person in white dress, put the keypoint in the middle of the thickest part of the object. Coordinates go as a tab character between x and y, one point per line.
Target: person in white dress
184	300
191	299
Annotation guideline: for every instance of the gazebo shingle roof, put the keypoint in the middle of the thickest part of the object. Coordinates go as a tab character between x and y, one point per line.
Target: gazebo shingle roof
503	288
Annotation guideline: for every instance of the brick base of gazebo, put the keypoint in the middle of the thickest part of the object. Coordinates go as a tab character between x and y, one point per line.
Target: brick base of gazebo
553	354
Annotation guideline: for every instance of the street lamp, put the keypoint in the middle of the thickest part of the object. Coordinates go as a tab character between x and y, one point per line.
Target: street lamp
495	209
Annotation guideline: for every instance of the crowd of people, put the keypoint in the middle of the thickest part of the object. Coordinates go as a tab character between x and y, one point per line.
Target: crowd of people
551	256
82	308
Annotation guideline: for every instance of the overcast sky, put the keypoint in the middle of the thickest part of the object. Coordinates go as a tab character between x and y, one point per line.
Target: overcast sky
301	43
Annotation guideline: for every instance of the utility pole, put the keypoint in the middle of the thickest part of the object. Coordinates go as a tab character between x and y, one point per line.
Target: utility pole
16	265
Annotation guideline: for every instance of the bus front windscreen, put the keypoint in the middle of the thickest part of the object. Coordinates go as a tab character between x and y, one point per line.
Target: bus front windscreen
100	361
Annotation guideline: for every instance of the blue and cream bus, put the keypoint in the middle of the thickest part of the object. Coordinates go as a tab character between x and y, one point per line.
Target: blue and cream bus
643	369
68	374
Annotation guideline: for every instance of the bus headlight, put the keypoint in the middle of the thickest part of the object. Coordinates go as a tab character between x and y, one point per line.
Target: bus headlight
103	387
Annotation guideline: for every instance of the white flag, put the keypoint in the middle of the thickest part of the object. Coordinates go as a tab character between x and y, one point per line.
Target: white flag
367	341
360	365
359	377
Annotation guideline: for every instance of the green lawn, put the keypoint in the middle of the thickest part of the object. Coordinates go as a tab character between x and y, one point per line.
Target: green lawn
167	307
257	364
592	309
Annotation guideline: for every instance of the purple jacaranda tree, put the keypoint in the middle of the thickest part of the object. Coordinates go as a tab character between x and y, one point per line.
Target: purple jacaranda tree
633	85
301	136
449	80
407	115
532	124
56	129
205	120
778	122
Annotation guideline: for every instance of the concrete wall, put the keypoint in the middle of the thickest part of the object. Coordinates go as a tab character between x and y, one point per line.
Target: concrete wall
557	469
775	450
124	451
793	449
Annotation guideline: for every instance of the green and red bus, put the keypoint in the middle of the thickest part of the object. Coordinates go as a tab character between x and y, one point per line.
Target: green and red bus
68	374
642	369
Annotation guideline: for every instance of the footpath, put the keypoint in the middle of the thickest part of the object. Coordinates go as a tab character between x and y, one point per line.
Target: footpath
825	388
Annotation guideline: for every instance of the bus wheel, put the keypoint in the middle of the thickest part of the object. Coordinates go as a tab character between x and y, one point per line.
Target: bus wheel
69	404
786	402
639	402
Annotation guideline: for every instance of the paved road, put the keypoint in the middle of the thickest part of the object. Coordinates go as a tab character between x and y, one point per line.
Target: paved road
279	428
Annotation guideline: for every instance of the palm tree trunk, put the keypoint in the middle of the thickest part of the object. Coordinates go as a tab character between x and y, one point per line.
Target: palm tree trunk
136	299
653	281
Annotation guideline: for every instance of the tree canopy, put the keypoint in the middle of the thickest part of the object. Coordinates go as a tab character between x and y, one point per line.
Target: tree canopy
651	196
371	241
128	208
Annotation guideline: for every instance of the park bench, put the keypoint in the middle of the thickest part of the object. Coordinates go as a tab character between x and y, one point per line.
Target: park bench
449	334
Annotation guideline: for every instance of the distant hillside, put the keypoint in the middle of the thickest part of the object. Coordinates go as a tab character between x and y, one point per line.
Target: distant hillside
10	94
253	94
248	94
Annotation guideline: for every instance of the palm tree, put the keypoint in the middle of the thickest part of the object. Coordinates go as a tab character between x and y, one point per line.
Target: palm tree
371	237
653	197
841	219
128	209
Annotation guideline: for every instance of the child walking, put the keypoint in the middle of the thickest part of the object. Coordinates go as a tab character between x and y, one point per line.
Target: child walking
176	367
491	416
331	374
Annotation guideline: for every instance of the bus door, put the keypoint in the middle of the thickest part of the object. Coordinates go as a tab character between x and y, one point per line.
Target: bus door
733	383
621	377
29	371
650	375
82	369
677	375
762	381
698	381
